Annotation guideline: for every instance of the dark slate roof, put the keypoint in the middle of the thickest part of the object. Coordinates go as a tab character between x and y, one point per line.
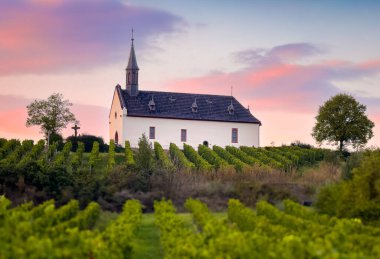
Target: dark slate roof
178	106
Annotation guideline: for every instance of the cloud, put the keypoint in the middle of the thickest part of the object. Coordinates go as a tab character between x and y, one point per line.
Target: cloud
42	36
275	81
288	52
13	114
284	92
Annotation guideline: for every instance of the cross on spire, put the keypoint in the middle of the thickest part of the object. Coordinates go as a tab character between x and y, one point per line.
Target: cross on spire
76	128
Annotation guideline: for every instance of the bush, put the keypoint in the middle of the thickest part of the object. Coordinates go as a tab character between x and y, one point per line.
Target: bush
232	160
162	158
243	156
88	141
94	156
179	158
111	155
195	158
144	156
212	157
359	197
262	157
129	160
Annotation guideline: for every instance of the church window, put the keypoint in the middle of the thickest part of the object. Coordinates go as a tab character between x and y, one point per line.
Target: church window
116	138
183	135
234	135
115	115
129	77
152	132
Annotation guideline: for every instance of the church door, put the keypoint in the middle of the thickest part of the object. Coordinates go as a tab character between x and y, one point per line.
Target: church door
116	138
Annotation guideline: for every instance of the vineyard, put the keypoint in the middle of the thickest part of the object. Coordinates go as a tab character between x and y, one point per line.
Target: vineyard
47	232
14	154
267	232
294	232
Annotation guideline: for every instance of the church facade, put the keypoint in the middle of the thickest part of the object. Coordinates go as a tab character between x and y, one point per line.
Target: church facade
170	117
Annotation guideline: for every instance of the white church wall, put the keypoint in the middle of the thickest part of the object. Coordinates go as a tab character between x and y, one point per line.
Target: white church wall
169	130
116	122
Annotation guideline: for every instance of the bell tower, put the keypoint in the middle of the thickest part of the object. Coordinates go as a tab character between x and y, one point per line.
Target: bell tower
132	75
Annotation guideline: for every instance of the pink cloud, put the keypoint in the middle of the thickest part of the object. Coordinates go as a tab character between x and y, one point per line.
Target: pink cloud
282	93
41	35
93	119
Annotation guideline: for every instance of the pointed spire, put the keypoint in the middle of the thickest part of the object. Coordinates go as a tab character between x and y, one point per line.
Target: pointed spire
132	62
132	71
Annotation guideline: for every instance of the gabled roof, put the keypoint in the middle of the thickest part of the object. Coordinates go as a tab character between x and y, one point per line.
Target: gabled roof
173	105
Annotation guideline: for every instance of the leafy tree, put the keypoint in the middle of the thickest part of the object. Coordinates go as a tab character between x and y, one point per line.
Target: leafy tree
144	157
52	115
342	121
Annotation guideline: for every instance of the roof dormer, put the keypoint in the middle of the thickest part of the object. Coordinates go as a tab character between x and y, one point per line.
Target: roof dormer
194	106
152	105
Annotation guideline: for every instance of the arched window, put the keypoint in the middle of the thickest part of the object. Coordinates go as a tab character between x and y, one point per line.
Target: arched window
116	138
115	115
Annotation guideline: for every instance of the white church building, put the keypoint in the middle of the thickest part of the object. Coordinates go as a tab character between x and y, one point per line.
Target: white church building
170	117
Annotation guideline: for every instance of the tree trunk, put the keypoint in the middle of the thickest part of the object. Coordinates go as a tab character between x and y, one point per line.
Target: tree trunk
341	146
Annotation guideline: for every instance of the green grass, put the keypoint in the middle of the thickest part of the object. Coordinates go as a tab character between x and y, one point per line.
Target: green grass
147	240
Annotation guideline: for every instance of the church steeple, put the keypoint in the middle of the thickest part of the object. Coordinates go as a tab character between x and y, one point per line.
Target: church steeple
132	72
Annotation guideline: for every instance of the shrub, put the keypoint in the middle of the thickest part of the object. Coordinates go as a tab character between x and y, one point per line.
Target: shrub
194	157
232	160
212	157
88	141
243	156
129	160
78	156
262	157
179	158
359	197
111	155
144	156
161	157
94	156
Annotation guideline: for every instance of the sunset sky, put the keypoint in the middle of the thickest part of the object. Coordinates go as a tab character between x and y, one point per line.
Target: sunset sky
284	58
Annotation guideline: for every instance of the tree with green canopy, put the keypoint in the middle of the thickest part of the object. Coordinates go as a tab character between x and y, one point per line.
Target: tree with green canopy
342	121
52	115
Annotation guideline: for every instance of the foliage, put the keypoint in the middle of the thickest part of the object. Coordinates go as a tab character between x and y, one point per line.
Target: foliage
195	158
111	155
78	157
129	160
162	157
341	120
261	156
179	158
212	157
52	115
88	141
48	232
358	197
94	156
232	160
144	157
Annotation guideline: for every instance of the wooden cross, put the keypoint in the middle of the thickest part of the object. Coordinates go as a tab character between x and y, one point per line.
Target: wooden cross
76	128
